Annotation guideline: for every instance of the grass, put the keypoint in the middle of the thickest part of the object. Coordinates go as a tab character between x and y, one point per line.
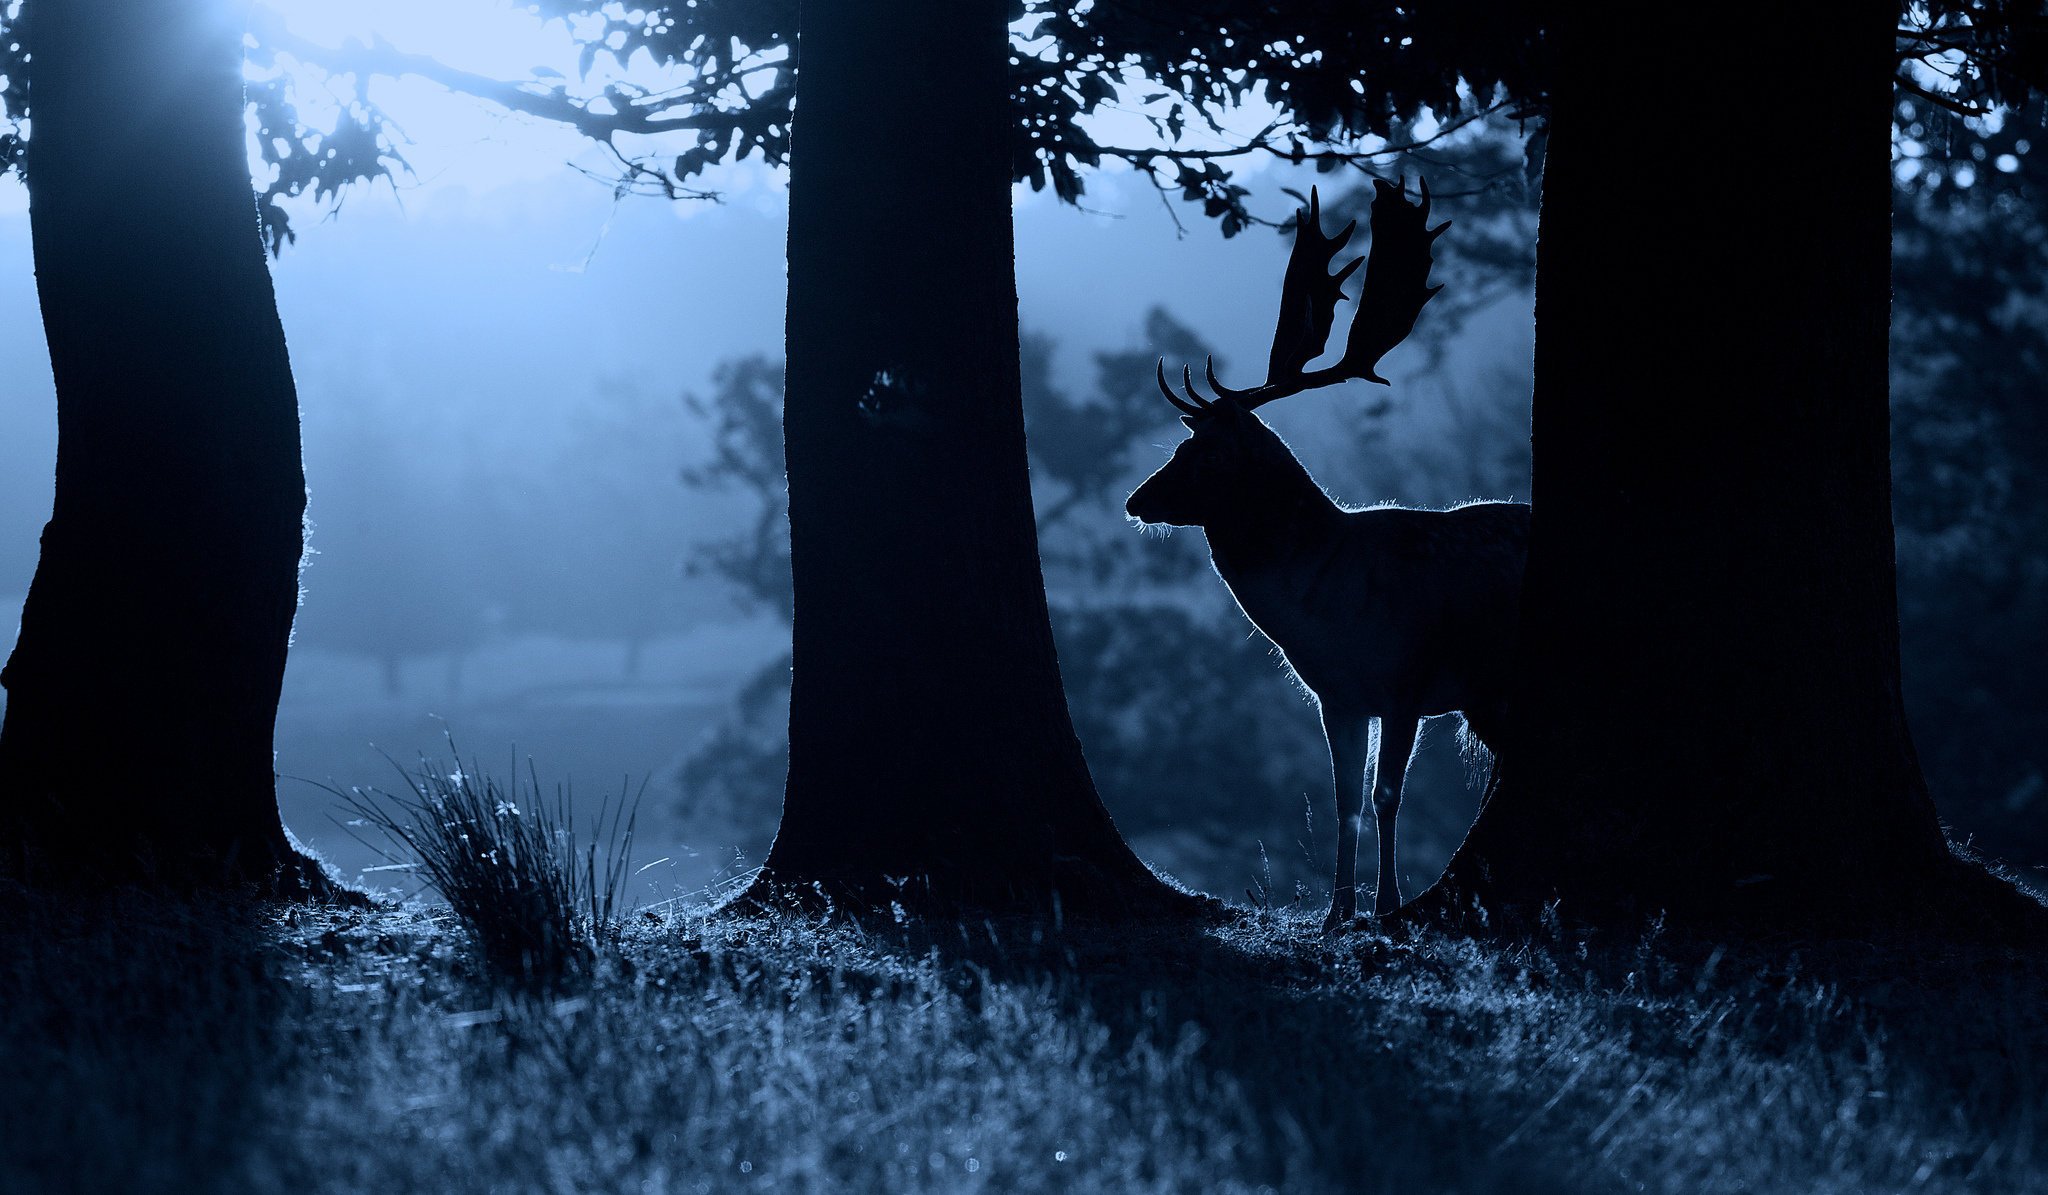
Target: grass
238	1047
537	906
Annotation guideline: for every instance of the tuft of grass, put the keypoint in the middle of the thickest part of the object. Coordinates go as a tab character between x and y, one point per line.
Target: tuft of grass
537	904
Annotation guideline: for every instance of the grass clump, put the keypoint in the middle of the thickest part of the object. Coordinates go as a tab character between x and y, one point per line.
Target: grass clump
536	904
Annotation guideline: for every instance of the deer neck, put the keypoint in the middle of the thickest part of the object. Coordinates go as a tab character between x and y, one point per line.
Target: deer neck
1286	521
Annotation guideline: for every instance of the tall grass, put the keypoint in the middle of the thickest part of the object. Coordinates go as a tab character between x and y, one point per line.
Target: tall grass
537	904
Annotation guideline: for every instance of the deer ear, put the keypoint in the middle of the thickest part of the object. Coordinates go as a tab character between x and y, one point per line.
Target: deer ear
1189	420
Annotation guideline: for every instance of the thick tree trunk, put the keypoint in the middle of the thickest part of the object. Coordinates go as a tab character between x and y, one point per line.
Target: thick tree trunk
1709	715
929	735
143	690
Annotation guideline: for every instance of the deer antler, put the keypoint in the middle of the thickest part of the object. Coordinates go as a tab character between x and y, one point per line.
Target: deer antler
1396	288
1396	278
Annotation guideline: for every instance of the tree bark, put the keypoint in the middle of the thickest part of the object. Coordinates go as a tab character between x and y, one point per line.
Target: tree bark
1708	716
143	690
931	752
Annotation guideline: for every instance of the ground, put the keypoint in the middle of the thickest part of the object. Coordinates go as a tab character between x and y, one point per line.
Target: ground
233	1046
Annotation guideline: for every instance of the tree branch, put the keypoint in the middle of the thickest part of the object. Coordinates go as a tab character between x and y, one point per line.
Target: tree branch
532	98
1959	107
1263	144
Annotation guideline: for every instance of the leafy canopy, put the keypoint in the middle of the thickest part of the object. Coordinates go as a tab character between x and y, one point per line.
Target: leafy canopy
1182	91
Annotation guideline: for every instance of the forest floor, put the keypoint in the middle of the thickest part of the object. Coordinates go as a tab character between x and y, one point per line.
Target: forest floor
146	1046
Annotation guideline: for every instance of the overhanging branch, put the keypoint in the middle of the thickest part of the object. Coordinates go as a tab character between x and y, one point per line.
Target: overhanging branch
532	98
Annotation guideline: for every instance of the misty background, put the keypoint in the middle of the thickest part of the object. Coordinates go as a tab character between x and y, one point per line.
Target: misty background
492	380
535	419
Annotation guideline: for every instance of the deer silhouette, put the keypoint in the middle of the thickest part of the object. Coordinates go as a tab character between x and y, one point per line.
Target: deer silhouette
1386	613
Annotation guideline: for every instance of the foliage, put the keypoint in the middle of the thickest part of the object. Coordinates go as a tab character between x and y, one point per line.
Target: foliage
360	145
234	1047
1344	86
1970	347
1345	89
388	532
1354	88
745	418
1971	57
535	904
13	87
732	780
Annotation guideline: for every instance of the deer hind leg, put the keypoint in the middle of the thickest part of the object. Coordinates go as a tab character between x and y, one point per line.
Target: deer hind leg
1347	735
1389	769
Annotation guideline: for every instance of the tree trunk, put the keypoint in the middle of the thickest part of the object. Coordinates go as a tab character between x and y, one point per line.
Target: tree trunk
929	735
143	690
1709	715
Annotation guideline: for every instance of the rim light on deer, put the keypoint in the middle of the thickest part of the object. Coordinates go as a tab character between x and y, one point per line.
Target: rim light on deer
1389	613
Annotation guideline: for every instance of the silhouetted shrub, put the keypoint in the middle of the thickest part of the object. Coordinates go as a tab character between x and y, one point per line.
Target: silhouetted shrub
536	904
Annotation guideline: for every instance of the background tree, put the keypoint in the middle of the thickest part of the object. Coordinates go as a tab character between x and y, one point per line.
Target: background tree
622	580
1189	725
929	736
1784	761
1967	355
1203	748
393	572
1970	347
138	730
1710	714
1338	85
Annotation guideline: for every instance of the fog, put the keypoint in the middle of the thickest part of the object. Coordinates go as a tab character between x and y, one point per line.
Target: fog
493	355
491	359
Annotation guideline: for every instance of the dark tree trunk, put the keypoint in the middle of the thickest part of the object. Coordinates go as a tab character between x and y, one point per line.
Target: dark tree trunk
143	690
929	735
1709	716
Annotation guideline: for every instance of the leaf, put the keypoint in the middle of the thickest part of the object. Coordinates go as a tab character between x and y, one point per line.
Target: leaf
1065	183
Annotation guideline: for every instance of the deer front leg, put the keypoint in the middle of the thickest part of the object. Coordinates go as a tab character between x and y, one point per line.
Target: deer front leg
1347	735
1389	769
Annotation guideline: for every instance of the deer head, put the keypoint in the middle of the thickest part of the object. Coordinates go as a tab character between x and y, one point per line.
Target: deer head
1223	464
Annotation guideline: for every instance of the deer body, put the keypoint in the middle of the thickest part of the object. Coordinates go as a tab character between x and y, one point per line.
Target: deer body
1392	610
1387	613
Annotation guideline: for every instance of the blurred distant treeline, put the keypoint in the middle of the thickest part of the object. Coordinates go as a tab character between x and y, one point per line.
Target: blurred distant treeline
1969	450
1197	740
1201	745
434	537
